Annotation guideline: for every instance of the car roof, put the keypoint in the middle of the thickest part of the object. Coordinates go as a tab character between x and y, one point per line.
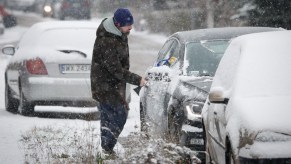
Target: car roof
31	42
218	33
37	29
43	26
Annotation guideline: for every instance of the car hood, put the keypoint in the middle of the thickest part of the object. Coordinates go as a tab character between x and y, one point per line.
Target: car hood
203	83
255	114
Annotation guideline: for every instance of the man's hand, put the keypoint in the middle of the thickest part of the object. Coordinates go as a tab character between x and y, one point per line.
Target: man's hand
142	82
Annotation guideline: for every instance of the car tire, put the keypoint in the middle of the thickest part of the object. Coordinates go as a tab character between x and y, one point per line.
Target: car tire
173	128
11	103
25	108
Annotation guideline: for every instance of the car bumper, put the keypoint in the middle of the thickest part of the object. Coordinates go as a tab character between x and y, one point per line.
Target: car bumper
265	161
58	89
47	14
194	138
266	152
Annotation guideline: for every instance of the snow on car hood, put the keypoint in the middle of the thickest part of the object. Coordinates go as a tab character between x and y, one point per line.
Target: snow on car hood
203	82
258	114
264	113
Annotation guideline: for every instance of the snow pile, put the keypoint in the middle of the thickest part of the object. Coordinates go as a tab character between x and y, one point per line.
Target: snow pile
149	150
60	145
68	145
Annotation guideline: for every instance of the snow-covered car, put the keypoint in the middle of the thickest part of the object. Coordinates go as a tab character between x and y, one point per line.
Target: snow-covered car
247	114
50	66
78	9
180	80
52	8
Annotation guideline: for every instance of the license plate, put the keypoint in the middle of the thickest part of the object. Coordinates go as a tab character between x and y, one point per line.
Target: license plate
195	141
75	68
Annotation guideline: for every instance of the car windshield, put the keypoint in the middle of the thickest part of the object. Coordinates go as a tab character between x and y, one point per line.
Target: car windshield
202	58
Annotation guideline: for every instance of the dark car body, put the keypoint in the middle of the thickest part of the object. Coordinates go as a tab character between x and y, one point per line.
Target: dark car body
8	19
78	9
172	101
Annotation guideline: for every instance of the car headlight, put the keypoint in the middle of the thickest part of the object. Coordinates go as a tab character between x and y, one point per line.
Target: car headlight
47	9
193	111
272	137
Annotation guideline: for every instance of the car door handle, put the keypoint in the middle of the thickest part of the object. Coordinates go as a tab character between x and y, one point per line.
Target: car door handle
215	116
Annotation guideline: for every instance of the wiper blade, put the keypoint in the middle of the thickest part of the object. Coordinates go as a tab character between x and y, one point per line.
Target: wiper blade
205	74
76	51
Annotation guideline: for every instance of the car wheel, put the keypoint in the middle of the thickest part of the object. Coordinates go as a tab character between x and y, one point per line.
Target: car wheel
25	108
11	103
174	129
229	157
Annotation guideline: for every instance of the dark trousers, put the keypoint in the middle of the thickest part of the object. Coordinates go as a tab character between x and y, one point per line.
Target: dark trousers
113	119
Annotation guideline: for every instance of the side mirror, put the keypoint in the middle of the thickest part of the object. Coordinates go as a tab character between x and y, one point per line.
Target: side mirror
216	95
8	50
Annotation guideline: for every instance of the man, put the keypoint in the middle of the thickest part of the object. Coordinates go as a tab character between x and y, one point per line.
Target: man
110	73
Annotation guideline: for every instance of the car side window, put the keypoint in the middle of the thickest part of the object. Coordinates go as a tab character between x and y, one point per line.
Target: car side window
168	54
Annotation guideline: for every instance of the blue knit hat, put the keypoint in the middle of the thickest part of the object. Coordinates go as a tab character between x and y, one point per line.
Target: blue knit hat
123	17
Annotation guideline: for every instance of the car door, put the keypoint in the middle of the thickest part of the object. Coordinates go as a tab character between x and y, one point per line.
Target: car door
216	131
155	97
168	55
216	113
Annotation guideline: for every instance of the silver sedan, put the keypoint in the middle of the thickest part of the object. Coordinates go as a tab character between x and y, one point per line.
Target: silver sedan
50	66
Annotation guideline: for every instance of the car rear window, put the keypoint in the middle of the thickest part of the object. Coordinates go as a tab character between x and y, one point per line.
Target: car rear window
69	37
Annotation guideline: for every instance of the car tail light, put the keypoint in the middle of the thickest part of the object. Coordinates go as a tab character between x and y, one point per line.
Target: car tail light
36	67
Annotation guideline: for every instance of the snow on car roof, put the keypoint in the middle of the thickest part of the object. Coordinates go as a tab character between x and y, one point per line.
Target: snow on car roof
40	27
261	83
218	33
65	24
265	63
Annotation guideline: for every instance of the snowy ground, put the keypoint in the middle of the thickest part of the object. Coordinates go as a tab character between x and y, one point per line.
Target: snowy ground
60	137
